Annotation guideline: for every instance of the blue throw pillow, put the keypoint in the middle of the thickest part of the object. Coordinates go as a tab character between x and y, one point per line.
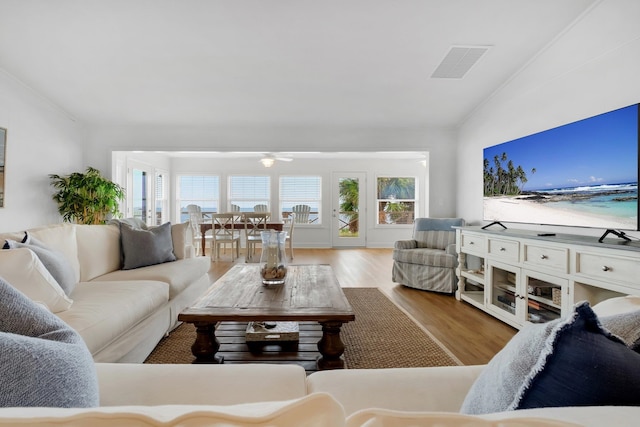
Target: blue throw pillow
141	248
571	361
55	262
43	362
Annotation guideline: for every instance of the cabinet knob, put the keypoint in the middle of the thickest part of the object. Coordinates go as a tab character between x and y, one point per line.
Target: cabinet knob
543	257
502	249
605	268
471	243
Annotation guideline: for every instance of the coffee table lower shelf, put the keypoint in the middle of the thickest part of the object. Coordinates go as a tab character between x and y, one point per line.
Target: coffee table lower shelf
234	348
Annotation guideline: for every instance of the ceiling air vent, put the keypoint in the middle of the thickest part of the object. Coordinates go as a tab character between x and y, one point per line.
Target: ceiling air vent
458	61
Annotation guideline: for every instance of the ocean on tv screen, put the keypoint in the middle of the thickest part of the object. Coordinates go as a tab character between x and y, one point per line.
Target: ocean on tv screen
581	174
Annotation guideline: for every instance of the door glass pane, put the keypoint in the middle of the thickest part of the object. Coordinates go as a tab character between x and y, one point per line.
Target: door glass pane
348	217
140	194
544	300
161	199
503	289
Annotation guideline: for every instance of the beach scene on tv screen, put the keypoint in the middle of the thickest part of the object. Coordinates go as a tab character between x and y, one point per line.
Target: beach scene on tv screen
582	174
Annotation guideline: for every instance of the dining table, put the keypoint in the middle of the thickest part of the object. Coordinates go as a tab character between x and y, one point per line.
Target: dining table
207	225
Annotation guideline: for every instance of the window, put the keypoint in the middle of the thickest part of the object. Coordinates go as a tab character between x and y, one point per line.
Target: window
201	190
301	190
162	201
245	192
396	200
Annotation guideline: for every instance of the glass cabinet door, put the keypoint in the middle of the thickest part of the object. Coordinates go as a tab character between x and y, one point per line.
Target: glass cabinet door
503	297
543	296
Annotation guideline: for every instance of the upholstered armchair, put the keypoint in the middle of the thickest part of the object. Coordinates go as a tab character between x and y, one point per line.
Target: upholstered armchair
429	260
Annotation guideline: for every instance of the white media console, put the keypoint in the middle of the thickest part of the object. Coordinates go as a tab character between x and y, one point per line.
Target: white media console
519	276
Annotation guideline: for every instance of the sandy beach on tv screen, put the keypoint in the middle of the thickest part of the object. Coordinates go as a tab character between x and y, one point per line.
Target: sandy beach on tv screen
510	209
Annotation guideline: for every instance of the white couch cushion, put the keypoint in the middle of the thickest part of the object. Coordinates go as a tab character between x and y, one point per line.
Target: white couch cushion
617	305
53	260
25	272
318	410
199	384
387	418
586	416
61	238
102	311
98	250
178	274
441	388
181	241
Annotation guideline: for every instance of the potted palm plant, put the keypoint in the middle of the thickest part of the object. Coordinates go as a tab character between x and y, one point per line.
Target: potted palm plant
86	198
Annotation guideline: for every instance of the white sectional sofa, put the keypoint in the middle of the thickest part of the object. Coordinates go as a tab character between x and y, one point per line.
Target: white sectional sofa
120	314
282	395
558	369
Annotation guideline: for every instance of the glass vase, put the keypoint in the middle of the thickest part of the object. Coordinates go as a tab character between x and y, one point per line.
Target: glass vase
273	262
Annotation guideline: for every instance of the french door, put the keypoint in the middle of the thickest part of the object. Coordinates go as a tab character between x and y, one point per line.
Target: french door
348	209
139	195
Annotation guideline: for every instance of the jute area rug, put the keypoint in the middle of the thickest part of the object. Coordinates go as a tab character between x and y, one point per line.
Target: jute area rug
382	336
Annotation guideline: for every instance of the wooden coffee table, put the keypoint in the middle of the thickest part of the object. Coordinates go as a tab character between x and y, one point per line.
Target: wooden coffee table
310	293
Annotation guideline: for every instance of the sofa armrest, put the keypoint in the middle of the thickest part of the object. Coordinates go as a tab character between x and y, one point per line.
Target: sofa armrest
169	384
405	244
403	389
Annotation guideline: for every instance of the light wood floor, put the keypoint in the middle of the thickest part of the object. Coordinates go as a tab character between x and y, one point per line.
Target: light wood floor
472	335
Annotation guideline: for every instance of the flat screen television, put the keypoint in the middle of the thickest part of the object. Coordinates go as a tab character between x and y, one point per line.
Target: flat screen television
582	174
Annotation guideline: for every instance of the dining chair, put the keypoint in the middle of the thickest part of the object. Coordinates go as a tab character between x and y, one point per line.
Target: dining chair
301	213
291	222
195	221
254	223
223	226
261	208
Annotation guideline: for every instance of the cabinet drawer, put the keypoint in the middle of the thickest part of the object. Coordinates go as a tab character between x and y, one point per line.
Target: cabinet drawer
544	256
617	269
505	249
473	243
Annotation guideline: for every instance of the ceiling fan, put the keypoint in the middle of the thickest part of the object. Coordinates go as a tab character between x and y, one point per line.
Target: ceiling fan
269	159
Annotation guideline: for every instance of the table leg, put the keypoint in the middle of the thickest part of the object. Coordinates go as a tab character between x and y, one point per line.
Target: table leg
203	243
330	346
206	345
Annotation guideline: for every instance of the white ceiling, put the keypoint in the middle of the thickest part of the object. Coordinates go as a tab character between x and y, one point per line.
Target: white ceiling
270	62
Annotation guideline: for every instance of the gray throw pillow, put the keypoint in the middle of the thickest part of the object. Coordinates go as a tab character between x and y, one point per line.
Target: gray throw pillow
146	247
54	261
133	222
43	362
625	326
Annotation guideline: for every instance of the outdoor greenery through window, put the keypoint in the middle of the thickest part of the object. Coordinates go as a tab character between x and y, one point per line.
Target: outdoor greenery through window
300	191
396	200
349	216
245	192
201	190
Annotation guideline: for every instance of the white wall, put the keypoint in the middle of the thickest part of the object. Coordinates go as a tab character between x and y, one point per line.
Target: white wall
319	236
440	143
41	140
592	68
